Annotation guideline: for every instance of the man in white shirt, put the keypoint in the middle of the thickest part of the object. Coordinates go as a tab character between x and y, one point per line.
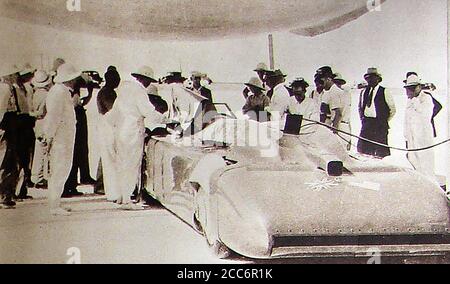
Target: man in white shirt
376	109
278	94
418	128
299	104
42	83
346	101
331	107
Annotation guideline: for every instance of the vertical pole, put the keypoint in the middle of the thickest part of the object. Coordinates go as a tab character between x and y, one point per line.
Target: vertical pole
448	94
271	54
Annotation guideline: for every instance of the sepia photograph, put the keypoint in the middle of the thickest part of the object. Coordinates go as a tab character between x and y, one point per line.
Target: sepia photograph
224	132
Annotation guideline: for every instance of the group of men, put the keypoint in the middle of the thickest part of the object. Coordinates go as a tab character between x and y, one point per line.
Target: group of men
330	103
30	111
44	124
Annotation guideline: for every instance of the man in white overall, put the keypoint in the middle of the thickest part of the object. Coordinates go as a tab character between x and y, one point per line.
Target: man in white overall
60	133
131	108
418	128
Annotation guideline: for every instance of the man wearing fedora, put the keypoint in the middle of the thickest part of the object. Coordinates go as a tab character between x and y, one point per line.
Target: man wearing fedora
278	94
131	108
376	109
42	83
418	129
60	131
299	104
257	103
174	77
9	110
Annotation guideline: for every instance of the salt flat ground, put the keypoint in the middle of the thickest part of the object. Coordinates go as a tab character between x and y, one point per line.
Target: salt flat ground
101	232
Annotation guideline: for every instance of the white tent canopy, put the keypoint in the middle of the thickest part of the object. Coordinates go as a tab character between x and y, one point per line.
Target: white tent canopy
194	19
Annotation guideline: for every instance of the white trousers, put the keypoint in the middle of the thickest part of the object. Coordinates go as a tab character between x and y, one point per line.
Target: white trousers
40	168
61	155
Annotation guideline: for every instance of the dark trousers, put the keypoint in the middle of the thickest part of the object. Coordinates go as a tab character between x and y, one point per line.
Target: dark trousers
375	130
25	147
9	169
80	153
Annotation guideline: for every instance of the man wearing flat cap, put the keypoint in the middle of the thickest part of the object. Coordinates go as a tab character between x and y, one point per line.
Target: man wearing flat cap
376	109
278	94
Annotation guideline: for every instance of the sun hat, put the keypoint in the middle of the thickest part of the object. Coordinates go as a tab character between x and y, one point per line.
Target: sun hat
338	78
299	82
255	82
261	67
413	81
27	69
41	79
325	71
67	72
276	73
8	70
372	72
145	71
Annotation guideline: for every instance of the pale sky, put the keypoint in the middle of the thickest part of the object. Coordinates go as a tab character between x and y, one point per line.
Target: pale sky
406	35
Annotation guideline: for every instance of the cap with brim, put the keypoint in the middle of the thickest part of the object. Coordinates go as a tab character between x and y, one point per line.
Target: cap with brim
146	72
409	74
197	74
255	82
262	67
301	82
28	69
338	78
66	73
373	72
276	73
325	72
413	81
41	79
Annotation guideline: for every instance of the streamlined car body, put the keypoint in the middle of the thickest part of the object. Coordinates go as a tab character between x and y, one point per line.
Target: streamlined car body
310	199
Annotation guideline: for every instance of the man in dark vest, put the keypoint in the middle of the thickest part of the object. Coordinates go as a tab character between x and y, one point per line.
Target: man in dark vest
376	109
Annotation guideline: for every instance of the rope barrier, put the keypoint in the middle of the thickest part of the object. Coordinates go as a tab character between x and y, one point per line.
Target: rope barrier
374	142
